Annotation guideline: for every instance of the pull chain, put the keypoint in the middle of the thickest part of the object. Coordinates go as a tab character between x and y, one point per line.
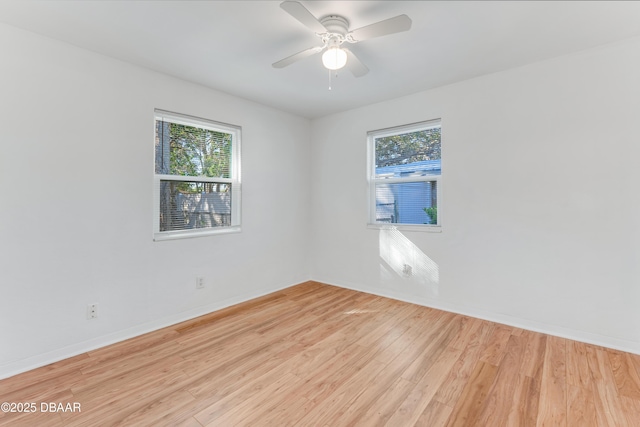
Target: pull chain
330	78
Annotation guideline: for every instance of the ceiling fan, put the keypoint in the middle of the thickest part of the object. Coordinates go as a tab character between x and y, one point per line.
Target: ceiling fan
333	31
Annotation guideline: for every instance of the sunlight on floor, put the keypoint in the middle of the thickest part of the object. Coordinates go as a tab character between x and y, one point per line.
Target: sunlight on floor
358	311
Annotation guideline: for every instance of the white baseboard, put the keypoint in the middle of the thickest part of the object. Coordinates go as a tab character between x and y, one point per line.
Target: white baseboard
13	368
531	325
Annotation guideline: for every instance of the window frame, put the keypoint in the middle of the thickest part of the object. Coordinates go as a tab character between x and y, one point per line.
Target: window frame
372	180
234	180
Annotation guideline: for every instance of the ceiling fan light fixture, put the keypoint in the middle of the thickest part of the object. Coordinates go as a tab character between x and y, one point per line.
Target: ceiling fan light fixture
333	30
334	58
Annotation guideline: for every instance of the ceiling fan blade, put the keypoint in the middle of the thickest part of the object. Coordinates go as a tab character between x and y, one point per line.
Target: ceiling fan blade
296	57
298	11
388	26
357	68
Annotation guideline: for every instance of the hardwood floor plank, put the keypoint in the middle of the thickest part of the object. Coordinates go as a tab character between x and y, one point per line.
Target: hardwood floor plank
496	345
635	361
473	398
581	409
378	402
242	404
322	383
500	400
435	414
422	394
305	288
411	340
388	332
210	358
438	342
469	326
127	400
606	397
225	378
308	361
459	375
125	348
295	364
132	369
533	357
370	411
553	391
517	332
330	409
531	377
319	385
523	410
631	408
160	412
40	419
287	412
102	389
268	413
64	371
53	389
234	310
189	422
312	333
626	377
316	354
578	372
237	364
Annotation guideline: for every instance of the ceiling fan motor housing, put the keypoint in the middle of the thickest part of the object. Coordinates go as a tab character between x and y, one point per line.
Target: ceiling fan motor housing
333	30
335	24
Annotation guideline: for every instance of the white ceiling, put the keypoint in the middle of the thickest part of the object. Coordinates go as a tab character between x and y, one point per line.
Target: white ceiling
230	45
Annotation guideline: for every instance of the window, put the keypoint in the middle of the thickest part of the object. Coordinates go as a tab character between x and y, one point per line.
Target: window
197	176
404	175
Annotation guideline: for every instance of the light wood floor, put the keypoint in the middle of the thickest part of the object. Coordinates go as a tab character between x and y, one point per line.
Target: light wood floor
317	355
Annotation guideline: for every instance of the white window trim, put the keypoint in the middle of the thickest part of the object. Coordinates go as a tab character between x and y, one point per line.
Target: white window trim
372	180
235	180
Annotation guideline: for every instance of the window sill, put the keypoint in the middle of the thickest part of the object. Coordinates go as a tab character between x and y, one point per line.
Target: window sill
407	227
157	237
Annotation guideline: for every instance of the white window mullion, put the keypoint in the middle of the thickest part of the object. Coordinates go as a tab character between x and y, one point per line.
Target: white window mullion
426	178
165	177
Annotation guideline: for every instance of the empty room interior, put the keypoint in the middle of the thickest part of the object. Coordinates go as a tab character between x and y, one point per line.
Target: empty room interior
320	213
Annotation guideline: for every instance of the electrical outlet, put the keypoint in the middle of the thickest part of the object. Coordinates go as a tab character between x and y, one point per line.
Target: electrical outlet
199	282
407	271
92	311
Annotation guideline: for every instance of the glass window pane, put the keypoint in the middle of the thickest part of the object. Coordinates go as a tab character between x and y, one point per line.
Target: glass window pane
407	203
192	204
192	151
409	154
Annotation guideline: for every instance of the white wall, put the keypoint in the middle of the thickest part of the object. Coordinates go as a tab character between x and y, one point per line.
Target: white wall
76	173
540	207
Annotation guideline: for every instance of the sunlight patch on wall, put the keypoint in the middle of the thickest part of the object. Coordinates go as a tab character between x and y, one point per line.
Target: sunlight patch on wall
407	261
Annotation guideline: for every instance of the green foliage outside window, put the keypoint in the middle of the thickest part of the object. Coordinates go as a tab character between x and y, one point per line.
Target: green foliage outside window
199	152
433	214
408	148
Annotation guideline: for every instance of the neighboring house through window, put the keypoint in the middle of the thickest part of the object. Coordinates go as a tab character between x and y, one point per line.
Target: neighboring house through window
404	174
197	176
